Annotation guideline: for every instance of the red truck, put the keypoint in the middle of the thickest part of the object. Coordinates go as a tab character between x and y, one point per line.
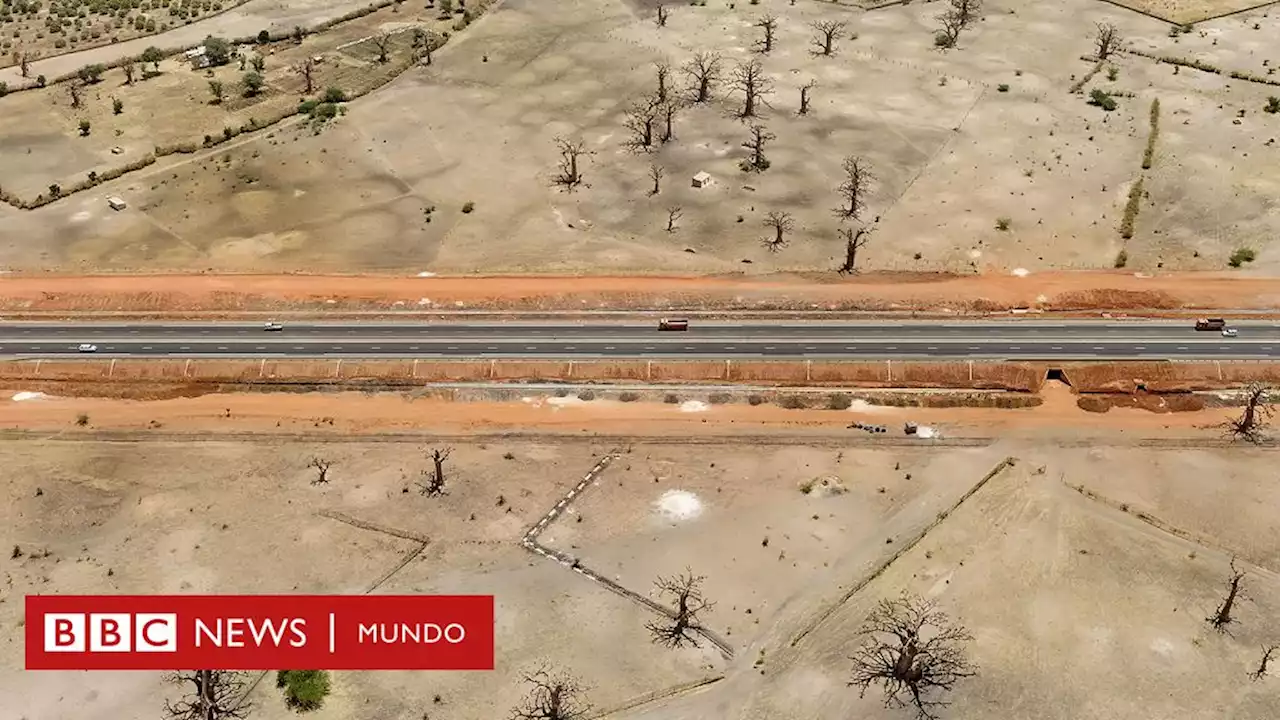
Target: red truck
1210	324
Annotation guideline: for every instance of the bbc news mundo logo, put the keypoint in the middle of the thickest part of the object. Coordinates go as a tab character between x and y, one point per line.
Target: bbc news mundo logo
259	632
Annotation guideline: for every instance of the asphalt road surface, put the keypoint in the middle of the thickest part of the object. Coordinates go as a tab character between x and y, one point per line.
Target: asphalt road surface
1011	339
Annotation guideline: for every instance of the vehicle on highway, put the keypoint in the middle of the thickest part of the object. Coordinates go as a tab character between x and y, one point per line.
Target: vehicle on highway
1210	324
1229	332
86	347
673	324
273	326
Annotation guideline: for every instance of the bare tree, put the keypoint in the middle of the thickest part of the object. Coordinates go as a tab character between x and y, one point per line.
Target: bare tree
854	240
1267	652
24	63
433	481
1255	417
321	466
768	24
959	15
668	111
756	143
854	189
571	152
130	71
912	651
662	16
640	119
662	72
804	96
73	89
705	72
307	69
655	173
828	31
422	46
1221	617
674	213
553	695
781	223
749	80
382	41
212	695
1106	40
685	594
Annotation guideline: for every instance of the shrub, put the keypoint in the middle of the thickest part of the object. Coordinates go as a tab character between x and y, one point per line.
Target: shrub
91	73
587	395
720	398
4	89
334	95
117	106
468	207
1002	87
1113	73
793	402
217	49
754	400
252	83
264	37
1148	155
629	396
1131	209
85	125
1273	105
671	399
942	40
82	420
839	401
1122	259
1003	223
1100	98
304	690
1241	256
308	107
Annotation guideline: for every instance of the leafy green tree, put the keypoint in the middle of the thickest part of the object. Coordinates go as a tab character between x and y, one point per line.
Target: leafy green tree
252	82
218	50
304	690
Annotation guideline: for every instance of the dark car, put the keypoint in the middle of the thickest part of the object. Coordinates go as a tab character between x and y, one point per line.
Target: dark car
673	324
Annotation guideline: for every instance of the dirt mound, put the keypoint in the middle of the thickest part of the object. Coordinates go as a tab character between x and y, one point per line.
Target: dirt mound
1172	403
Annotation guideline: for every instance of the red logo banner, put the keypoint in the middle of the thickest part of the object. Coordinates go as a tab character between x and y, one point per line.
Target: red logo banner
259	632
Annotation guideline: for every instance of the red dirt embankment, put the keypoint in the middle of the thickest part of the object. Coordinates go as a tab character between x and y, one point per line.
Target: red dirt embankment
176	295
183	377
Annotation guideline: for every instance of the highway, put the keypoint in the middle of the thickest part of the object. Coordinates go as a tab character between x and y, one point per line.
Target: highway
1005	339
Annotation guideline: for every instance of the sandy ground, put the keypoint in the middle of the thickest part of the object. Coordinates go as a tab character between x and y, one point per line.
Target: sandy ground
1079	609
953	154
923	292
342	414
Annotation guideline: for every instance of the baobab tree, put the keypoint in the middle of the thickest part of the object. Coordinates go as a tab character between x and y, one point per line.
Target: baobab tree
307	69
756	142
828	31
668	111
209	695
553	695
749	80
780	223
674	213
662	72
956	18
1221	617
655	173
433	481
1267	652
639	121
571	152
382	41
1106	40
804	96
321	466
1255	417
768	24
912	651
704	71
662	16
685	594
854	240
854	188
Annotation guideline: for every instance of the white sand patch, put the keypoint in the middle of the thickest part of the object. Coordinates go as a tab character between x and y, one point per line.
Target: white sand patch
1021	272
925	431
861	405
24	396
424	301
566	401
678	505
426	273
694	406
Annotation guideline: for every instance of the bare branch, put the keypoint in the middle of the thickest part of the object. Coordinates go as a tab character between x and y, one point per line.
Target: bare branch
1221	617
571	152
767	23
212	695
749	80
640	120
854	240
433	481
307	69
662	16
912	651
828	31
322	470
1106	40
674	213
1254	418
655	173
382	41
553	695
760	137
1267	652
662	72
857	183
804	96
781	223
705	71
685	593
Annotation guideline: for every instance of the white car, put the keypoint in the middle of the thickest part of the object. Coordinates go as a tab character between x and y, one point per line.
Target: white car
1229	332
273	326
86	347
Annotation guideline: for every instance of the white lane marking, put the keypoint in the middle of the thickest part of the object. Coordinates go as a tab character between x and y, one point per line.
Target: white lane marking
222	347
1182	347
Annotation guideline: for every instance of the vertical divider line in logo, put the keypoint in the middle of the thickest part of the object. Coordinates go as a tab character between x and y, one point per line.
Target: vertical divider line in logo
331	633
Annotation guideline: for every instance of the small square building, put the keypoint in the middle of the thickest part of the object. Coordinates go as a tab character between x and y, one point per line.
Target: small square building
702	179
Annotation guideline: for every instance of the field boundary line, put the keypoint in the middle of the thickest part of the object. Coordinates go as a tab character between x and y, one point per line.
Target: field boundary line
374	527
657	695
831	609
